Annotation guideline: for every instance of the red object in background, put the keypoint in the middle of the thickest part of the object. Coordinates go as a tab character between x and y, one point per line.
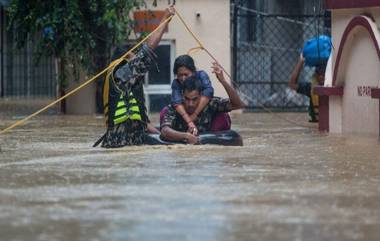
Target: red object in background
147	21
324	94
339	4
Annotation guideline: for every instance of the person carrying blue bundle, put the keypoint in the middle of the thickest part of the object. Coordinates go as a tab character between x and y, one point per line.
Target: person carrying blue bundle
316	53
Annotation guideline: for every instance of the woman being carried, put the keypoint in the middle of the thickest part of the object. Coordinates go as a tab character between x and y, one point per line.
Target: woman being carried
184	68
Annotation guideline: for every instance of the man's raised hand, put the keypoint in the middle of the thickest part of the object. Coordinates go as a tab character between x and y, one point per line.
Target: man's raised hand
170	11
217	70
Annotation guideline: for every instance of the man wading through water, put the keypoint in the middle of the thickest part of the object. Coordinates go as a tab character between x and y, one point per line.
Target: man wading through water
174	126
123	95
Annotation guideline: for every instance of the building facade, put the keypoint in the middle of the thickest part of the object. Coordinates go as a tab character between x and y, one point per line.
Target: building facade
209	19
350	97
20	76
210	22
268	36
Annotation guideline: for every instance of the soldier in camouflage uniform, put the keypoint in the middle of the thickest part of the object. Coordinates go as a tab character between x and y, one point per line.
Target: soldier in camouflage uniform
123	95
175	128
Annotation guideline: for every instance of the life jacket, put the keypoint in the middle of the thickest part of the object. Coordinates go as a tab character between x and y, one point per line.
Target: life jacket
118	106
314	100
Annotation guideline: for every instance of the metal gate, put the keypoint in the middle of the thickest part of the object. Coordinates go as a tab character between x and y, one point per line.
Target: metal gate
266	48
20	75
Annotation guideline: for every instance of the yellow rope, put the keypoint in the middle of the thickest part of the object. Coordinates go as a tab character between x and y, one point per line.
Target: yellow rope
201	46
114	63
194	50
200	43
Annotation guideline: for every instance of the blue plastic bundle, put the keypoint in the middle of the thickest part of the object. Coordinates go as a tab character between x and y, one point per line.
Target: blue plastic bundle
316	51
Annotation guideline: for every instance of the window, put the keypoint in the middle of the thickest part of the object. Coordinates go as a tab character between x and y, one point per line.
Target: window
251	23
158	80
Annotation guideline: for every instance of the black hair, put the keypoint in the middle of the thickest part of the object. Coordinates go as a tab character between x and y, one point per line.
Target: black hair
184	61
192	83
120	51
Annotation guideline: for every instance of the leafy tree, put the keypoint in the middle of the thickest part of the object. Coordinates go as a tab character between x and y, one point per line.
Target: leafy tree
77	32
170	2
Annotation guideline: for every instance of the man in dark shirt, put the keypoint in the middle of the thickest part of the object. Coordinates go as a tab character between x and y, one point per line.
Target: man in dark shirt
306	88
174	127
123	95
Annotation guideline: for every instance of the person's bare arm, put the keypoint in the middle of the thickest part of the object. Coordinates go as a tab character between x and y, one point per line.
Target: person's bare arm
152	129
190	124
236	102
296	72
155	39
170	134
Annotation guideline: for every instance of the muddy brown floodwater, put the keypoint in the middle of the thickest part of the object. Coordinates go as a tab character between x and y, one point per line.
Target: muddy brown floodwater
286	183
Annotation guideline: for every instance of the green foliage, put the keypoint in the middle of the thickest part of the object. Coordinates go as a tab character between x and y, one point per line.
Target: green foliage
78	32
170	2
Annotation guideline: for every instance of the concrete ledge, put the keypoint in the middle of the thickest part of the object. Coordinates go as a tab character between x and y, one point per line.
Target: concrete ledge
328	91
375	93
324	93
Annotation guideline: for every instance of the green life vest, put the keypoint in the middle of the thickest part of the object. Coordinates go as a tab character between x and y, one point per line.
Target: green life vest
117	106
124	111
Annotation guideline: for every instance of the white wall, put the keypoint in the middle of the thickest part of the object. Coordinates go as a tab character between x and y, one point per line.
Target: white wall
340	19
360	112
82	102
212	28
359	67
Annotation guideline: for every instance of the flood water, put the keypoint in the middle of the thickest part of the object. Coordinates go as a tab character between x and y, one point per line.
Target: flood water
286	183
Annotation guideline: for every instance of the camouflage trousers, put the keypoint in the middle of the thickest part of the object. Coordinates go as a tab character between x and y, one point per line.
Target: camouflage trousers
128	133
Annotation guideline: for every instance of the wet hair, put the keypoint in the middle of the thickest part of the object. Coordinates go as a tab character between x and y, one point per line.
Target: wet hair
120	51
192	83
184	61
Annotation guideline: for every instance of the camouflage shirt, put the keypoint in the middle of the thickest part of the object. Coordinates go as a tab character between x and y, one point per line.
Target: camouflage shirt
203	122
131	132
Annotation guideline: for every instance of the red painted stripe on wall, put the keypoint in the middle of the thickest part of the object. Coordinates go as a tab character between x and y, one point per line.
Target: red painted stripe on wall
339	4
